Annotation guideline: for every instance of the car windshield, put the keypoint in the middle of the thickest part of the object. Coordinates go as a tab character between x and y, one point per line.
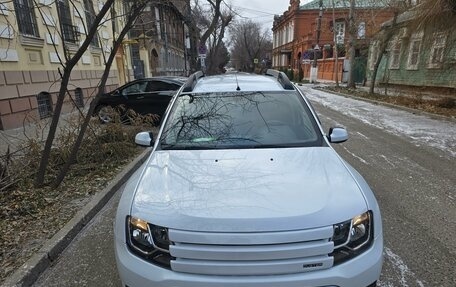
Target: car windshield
240	120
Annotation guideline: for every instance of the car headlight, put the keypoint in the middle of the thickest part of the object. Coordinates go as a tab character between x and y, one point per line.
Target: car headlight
352	237
148	241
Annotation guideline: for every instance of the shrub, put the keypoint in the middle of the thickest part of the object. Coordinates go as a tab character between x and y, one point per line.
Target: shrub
447	103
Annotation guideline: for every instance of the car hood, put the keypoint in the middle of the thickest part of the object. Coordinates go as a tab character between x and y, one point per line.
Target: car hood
247	190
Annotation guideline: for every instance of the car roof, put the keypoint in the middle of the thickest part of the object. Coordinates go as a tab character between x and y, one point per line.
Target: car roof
232	82
167	78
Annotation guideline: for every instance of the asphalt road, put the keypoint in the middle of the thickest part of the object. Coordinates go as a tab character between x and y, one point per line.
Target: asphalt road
415	187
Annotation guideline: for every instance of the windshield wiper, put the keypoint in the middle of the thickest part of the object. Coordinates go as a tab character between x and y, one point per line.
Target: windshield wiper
186	147
236	139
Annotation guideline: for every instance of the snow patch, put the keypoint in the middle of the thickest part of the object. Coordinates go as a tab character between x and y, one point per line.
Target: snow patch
355	156
440	134
402	267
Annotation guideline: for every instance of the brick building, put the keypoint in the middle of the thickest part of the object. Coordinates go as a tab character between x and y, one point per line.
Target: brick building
161	40
295	34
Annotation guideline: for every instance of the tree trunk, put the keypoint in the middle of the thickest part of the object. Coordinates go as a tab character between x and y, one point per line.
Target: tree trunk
68	67
215	19
384	44
351	43
72	157
336	50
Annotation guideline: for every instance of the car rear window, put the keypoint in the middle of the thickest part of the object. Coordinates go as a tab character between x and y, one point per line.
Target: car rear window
240	120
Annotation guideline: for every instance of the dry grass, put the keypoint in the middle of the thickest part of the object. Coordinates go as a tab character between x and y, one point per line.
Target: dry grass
29	216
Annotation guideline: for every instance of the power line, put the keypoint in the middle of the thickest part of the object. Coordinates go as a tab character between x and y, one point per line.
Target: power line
254	10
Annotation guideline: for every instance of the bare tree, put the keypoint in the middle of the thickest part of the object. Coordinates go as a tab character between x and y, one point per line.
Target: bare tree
351	44
218	54
212	22
429	12
67	66
249	42
380	46
436	13
134	10
336	50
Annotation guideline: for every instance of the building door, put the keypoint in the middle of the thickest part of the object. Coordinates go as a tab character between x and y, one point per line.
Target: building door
345	70
360	69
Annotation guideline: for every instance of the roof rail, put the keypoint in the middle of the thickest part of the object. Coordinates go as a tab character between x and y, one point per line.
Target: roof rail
191	82
281	77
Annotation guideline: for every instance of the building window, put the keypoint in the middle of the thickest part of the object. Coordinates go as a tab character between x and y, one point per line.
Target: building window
78	98
395	54
70	32
414	52
340	32
44	104
437	51
362	30
90	15
26	18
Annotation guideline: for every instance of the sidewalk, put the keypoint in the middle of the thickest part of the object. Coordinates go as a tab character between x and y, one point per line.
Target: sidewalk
15	138
422	92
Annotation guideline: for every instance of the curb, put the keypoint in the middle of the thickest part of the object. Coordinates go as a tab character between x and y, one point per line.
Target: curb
27	274
411	110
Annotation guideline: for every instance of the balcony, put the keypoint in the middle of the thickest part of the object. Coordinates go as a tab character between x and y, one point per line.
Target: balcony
70	33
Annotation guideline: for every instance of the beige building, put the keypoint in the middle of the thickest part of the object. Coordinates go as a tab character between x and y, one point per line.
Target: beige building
32	41
160	40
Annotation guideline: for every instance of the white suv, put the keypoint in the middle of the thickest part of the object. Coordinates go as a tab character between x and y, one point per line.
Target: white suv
244	189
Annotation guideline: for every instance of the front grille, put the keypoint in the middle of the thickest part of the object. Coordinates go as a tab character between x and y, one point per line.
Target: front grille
246	254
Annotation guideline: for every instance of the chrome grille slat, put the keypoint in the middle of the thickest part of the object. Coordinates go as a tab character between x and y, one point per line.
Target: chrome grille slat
222	238
255	253
244	268
251	252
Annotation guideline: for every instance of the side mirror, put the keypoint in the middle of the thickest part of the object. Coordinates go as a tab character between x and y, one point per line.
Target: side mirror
337	135
144	139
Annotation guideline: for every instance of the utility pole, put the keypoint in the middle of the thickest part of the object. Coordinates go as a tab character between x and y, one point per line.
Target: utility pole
336	51
314	68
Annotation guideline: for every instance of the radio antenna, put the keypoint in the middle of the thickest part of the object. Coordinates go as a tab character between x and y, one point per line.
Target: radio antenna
237	83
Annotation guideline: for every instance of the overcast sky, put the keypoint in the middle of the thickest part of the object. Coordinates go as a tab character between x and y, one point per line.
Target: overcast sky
261	11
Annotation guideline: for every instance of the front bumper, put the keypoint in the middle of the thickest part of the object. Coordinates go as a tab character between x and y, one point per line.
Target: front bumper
358	272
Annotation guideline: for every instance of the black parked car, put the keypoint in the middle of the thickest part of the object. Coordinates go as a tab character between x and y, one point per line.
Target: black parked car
144	96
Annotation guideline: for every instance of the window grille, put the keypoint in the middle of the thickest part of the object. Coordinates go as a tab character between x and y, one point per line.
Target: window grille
395	54
78	98
70	33
26	19
44	104
89	12
438	49
414	53
340	32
